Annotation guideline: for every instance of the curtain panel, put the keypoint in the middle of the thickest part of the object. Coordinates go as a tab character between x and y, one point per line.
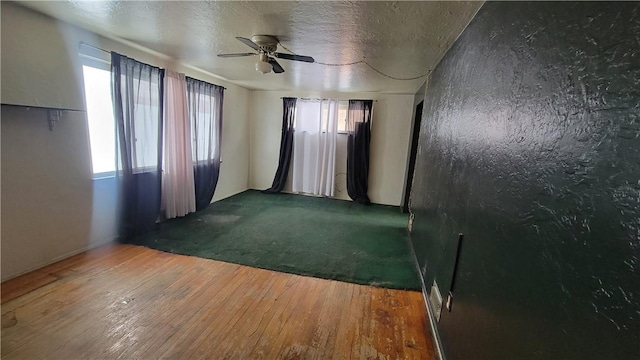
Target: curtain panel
286	146
204	103
138	102
178	189
358	144
314	147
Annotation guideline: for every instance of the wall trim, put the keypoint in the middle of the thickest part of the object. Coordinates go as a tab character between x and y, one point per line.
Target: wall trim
325	197
62	257
435	335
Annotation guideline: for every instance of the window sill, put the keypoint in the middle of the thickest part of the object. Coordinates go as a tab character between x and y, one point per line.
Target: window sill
103	176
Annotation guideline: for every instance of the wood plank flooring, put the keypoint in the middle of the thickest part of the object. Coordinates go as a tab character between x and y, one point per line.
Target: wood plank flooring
124	301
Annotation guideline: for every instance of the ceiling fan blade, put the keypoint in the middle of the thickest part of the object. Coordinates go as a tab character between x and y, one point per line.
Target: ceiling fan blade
276	67
236	55
308	59
249	43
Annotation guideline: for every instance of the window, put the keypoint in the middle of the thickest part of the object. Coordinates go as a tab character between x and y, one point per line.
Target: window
147	113
205	109
96	70
343	106
203	127
97	91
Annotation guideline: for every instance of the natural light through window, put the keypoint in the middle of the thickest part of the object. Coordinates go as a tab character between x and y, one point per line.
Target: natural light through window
97	87
203	149
343	106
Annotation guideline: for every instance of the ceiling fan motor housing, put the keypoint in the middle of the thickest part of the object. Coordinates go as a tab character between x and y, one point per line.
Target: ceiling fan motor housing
268	43
266	46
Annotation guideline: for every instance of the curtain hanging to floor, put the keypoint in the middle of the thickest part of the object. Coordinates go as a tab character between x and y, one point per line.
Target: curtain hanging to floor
358	143
314	147
205	114
137	101
286	146
178	189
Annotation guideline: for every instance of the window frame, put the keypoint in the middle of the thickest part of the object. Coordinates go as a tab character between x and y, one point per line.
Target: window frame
211	105
341	104
346	118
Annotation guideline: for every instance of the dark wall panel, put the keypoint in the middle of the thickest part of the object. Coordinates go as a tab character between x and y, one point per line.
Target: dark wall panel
530	146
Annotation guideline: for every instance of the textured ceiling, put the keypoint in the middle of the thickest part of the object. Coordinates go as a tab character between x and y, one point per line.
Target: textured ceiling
401	39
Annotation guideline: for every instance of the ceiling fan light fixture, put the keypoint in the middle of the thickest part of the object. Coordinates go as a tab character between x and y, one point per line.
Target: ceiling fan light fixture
263	67
266	47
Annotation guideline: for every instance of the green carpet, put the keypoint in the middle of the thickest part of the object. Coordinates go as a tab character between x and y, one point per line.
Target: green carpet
325	238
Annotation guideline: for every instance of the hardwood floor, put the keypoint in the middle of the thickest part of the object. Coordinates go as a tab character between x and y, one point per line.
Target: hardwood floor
123	301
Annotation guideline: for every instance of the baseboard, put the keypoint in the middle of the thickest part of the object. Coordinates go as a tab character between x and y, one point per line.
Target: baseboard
61	257
432	320
327	197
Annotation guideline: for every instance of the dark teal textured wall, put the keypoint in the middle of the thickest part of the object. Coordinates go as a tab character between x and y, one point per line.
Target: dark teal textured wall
530	146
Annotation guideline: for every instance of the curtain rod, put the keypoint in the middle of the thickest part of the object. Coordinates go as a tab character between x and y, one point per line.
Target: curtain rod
41	107
109	52
94	47
324	99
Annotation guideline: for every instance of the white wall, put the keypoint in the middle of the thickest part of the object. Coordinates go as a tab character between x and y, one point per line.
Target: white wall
234	170
38	51
390	135
51	208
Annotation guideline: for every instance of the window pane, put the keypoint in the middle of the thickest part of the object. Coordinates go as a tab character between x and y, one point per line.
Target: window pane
204	127
325	115
97	87
343	108
308	113
146	137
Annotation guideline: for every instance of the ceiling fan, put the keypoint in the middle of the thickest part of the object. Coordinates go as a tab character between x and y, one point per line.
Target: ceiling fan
266	47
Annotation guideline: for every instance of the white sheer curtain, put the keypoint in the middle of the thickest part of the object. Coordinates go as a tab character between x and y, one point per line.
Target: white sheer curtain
314	146
178	189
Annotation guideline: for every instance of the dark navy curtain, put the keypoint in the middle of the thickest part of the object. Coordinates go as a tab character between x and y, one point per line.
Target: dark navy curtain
286	146
358	144
137	107
204	103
